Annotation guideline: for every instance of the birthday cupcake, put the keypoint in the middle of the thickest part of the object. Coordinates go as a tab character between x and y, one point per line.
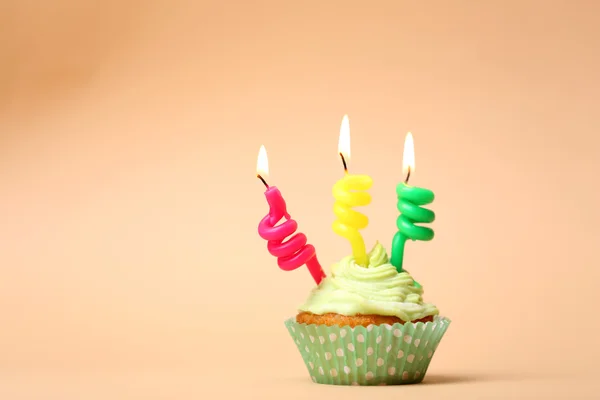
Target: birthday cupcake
367	325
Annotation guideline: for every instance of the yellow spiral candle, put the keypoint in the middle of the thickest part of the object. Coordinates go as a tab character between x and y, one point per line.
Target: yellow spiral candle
349	192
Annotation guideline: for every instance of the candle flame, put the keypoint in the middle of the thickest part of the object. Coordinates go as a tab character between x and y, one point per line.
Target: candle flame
408	159
262	164
344	142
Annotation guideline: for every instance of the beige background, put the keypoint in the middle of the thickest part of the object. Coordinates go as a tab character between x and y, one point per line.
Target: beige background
130	266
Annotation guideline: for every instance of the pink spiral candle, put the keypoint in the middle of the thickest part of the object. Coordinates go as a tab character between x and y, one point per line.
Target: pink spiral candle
291	253
290	248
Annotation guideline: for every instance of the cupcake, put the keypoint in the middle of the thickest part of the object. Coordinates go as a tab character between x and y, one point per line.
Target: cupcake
367	325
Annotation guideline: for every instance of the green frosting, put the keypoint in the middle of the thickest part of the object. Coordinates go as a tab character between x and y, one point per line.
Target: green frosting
376	289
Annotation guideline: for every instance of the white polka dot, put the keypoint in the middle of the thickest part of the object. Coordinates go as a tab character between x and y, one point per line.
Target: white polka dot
391	370
405	375
333	372
417	374
314	379
350	347
408	338
369	375
359	362
430	354
293	329
355	383
328	356
339	352
312	338
400	354
318	355
302	334
420	357
379	362
312	366
306	348
417	342
321	371
343	333
321	339
388	327
397	332
347	369
387	349
410	358
378	340
332	337
426	343
360	338
369	328
297	341
369	351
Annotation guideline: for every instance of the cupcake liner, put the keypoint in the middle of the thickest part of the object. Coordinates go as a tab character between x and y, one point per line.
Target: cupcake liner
374	355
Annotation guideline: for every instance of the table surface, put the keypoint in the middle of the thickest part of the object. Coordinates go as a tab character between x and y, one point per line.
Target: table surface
180	384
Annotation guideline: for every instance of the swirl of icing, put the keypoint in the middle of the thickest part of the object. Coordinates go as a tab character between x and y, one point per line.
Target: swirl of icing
376	289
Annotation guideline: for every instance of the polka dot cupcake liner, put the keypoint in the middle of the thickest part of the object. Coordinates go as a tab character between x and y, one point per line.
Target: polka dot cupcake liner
374	355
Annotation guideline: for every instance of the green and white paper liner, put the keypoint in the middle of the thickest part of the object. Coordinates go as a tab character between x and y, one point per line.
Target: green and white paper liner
374	355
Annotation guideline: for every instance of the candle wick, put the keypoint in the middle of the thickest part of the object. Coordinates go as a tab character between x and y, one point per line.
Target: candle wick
407	176
262	180
344	162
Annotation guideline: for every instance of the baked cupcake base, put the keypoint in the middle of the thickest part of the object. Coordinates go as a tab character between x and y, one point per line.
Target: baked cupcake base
374	355
331	319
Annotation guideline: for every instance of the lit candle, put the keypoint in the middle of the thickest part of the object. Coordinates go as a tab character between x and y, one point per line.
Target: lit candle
294	252
350	191
410	200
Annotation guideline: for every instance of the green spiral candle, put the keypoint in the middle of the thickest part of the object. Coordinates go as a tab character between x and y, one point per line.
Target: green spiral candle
410	202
